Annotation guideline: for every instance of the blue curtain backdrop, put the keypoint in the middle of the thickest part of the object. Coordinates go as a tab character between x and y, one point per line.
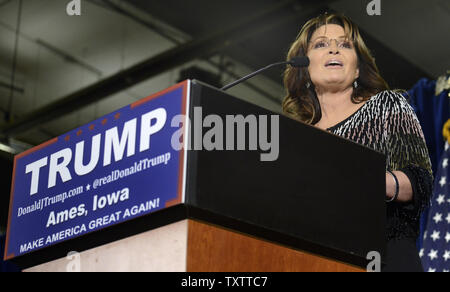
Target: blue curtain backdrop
432	111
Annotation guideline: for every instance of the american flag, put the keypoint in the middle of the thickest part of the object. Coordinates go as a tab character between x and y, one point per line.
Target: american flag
435	254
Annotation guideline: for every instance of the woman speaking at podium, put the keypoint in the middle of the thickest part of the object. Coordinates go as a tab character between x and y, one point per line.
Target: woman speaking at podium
342	92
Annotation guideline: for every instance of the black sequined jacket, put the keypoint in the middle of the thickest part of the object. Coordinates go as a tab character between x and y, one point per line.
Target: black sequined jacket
388	124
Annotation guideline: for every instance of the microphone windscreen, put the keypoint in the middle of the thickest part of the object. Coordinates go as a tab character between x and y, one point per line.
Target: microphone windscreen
299	61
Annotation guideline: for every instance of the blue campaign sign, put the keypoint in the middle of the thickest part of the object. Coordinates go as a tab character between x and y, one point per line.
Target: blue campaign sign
117	168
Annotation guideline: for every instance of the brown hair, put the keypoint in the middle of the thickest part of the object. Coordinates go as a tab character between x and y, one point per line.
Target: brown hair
301	102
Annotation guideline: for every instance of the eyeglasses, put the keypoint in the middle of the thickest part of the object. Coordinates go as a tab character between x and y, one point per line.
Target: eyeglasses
323	42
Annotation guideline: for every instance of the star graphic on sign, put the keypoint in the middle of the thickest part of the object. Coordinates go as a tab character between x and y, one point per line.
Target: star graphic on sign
91	127
117	116
437	218
88	187
433	254
79	132
67	138
425	235
436	235
445	163
446	146
448	218
443	181
421	253
446	255
431	270
441	199
104	121
446	271
447	237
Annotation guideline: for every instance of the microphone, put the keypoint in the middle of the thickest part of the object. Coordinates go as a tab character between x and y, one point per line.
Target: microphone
297	62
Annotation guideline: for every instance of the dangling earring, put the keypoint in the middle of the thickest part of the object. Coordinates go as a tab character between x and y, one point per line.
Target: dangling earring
355	84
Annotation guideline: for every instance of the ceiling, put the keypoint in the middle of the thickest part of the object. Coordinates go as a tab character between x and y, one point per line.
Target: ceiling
69	70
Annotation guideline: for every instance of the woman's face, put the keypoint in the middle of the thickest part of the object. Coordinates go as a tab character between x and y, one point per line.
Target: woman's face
333	60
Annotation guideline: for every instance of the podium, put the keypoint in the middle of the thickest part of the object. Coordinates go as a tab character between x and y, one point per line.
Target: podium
317	205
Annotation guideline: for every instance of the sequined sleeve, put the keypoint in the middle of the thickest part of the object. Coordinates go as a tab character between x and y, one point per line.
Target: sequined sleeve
406	151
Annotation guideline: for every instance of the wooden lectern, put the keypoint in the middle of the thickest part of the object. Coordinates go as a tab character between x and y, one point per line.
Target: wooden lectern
318	207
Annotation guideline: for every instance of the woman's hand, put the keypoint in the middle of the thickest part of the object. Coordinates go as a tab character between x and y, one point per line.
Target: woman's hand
405	193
